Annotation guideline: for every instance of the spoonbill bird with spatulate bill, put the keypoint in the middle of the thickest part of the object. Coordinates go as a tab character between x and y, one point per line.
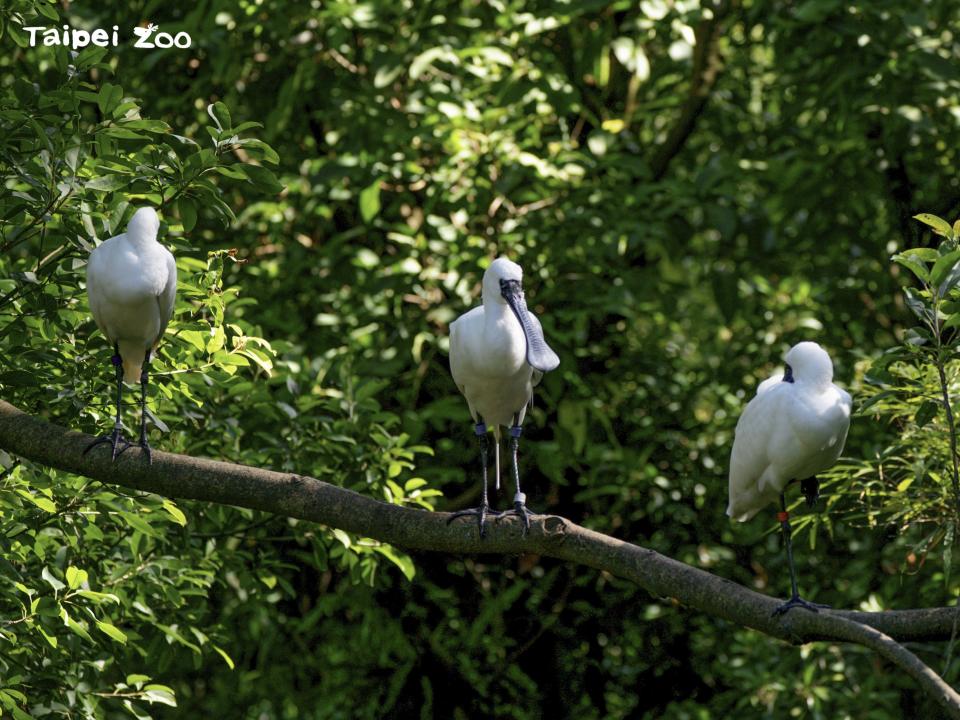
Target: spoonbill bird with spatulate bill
497	355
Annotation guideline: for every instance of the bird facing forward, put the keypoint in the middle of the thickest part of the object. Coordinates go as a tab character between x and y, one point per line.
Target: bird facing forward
497	355
793	429
132	284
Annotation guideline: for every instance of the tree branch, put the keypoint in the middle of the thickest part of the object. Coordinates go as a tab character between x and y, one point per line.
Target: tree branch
182	476
706	69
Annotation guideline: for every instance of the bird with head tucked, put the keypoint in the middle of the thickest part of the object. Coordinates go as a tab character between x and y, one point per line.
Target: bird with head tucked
793	429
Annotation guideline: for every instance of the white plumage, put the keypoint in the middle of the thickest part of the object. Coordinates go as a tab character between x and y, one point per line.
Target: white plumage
497	356
793	429
132	283
132	286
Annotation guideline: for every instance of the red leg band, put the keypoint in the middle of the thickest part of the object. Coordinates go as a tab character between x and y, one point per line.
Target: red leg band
783	516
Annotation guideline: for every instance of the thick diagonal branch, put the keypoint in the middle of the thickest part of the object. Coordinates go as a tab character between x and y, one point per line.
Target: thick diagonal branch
182	476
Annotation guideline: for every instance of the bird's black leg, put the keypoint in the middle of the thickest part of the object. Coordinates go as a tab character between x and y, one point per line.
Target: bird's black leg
483	511
811	490
144	379
795	599
115	438
519	500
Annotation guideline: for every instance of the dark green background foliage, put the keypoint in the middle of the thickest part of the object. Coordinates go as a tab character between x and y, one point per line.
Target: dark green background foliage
333	177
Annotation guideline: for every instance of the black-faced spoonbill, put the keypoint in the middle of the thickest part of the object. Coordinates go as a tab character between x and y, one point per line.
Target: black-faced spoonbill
497	356
132	285
793	429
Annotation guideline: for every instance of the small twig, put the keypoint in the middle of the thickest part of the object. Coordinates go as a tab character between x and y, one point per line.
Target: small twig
236	531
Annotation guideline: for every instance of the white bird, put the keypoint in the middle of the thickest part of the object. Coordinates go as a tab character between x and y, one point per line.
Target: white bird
497	355
793	429
132	285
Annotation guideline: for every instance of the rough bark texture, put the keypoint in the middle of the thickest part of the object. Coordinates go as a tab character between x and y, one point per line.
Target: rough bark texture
181	476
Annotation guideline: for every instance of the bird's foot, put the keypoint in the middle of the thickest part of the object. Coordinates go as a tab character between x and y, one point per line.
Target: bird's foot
520	510
797	601
115	439
482	513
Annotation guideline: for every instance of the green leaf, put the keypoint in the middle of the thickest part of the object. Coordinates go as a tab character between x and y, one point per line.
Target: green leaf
259	149
110	182
952	321
159	694
112	630
943	266
175	512
75	577
914	263
924	253
138	523
217	340
51	580
401	560
950	281
109	97
122	133
221	116
52	640
226	658
874	399
370	201
413	484
939	225
263	178
195	338
232	172
98	597
78	629
916	304
41	502
928	410
342	537
18	36
89	57
188	213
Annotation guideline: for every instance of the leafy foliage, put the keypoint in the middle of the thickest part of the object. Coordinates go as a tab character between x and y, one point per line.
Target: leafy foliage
914	483
691	188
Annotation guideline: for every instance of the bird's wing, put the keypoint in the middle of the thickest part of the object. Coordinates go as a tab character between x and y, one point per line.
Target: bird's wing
167	297
752	484
458	352
770	382
96	276
818	430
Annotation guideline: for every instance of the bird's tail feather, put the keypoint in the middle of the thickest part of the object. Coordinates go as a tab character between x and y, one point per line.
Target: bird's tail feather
131	370
132	356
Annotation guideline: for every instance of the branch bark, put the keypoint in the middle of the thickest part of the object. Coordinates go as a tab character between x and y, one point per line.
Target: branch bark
182	476
706	68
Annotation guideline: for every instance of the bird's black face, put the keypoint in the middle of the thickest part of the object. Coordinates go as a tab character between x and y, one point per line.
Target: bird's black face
788	374
511	288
